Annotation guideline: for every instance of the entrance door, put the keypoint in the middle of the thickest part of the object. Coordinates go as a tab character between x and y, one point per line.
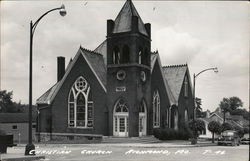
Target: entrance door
142	119
120	119
121	126
142	124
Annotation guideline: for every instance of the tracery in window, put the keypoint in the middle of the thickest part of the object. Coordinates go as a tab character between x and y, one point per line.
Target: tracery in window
121	106
156	109
80	104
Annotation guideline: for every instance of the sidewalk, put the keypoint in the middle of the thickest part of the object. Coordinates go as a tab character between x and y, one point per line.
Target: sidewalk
17	153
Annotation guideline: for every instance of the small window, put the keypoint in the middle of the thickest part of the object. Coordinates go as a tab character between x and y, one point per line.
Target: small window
185	87
33	126
14	127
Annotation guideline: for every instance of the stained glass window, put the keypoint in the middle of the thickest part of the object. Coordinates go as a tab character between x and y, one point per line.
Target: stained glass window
80	105
156	109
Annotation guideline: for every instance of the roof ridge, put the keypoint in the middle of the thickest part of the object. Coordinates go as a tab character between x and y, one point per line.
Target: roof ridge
90	51
174	66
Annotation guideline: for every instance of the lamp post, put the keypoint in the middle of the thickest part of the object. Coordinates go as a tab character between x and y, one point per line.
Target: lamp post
30	147
195	76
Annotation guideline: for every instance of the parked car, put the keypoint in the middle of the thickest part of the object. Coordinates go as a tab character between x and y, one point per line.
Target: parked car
244	141
229	137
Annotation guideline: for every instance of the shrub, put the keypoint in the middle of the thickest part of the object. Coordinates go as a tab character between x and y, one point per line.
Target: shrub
2	132
171	134
196	126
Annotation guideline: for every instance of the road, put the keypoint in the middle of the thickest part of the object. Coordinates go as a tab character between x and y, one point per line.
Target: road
116	152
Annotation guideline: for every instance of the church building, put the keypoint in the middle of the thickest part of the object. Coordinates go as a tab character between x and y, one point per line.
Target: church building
119	89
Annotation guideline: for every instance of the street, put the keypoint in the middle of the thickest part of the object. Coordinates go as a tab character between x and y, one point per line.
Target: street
110	152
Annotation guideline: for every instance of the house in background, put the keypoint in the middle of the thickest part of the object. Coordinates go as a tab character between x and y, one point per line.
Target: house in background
217	115
119	89
18	125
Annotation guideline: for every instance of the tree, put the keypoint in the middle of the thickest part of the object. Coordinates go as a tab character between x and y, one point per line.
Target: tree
197	126
198	108
230	105
225	107
246	130
241	112
6	103
235	103
226	126
215	128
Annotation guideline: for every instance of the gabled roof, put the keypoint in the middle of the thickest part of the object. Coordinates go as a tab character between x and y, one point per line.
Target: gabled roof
155	58
16	117
96	64
46	97
175	75
123	22
102	49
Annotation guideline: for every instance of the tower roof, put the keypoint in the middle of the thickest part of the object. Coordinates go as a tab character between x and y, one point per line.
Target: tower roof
123	22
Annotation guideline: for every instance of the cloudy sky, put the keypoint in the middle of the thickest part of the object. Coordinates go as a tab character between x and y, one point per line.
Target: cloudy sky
202	34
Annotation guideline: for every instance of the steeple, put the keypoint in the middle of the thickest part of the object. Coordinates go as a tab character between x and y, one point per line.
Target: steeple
126	17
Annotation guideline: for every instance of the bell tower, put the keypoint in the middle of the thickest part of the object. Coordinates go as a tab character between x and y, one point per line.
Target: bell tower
128	71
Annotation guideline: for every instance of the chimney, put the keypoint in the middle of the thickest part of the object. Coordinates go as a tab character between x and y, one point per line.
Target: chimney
110	27
207	114
60	67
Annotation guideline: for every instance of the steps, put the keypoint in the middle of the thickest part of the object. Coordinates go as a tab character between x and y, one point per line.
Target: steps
143	140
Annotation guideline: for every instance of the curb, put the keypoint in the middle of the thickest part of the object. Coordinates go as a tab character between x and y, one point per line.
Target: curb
30	158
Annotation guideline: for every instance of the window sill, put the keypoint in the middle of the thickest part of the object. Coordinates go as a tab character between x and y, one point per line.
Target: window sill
80	127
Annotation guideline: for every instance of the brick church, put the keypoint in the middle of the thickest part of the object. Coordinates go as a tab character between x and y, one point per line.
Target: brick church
119	89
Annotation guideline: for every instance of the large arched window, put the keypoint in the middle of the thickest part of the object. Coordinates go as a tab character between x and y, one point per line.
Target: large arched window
80	104
156	109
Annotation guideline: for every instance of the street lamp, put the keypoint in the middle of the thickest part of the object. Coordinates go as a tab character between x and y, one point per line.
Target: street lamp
195	76
30	147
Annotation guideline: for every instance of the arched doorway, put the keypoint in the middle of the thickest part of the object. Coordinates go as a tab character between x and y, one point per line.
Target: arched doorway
142	119
120	119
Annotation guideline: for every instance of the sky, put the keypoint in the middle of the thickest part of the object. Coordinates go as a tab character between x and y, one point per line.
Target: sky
202	34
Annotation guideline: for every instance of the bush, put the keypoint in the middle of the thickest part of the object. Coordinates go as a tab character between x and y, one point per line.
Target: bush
2	132
197	126
171	134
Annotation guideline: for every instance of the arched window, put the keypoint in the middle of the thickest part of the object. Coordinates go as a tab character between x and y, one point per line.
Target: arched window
142	107
80	105
121	106
125	54
186	115
116	57
145	57
176	119
140	56
185	87
156	109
